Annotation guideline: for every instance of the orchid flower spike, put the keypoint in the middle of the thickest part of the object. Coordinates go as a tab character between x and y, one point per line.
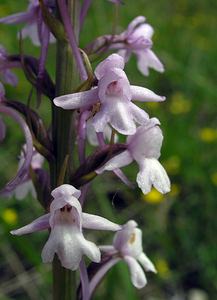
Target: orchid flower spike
26	187
114	94
5	73
35	27
138	41
66	221
144	147
127	246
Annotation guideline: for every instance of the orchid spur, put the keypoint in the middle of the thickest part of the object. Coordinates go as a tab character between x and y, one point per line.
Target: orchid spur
115	95
66	221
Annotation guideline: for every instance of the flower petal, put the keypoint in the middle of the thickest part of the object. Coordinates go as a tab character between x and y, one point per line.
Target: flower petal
113	61
138	277
122	237
119	90
31	31
147	59
38	224
60	202
144	30
101	119
77	100
65	190
116	162
121	118
48	251
17	18
154	62
152	173
147	142
136	22
90	250
37	161
139	115
10	78
23	189
146	263
91	133
99	223
144	95
134	245
64	240
142	63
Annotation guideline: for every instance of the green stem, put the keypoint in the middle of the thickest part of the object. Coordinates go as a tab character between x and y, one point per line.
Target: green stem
64	283
67	78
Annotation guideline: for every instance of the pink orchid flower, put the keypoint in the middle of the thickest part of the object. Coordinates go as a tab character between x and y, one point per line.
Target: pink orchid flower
127	246
115	95
137	39
66	221
144	147
35	28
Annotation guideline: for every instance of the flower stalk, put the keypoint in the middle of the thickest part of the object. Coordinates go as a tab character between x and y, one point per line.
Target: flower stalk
67	78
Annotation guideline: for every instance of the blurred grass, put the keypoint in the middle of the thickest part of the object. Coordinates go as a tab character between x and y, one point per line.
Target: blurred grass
179	228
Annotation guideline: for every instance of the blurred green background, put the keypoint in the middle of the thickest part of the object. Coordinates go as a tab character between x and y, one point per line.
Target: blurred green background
179	229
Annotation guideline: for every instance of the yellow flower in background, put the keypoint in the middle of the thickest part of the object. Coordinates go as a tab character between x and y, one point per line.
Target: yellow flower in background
10	217
153	197
214	178
162	267
179	104
175	190
172	165
208	135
